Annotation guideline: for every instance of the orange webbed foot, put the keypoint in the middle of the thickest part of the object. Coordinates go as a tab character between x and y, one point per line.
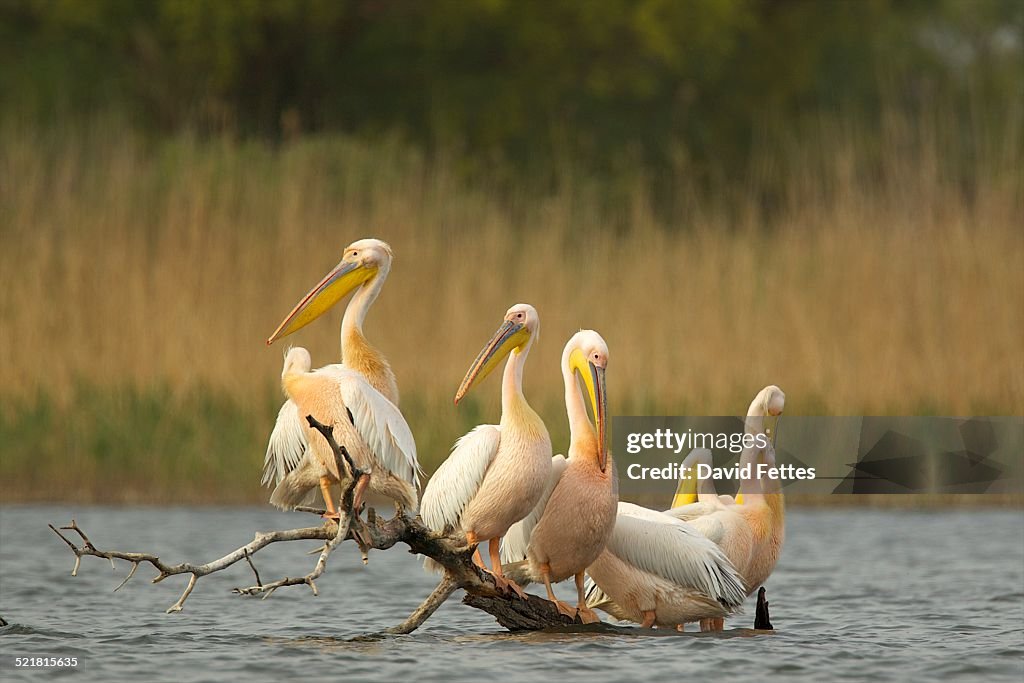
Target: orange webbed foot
507	585
566	609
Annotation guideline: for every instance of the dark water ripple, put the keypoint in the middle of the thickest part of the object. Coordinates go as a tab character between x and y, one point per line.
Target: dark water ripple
859	595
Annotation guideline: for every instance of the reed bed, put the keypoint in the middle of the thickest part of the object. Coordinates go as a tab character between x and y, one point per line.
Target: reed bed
141	278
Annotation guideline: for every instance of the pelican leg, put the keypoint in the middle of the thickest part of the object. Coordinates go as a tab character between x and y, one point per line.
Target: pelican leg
471	541
712	624
649	617
357	496
499	578
567	610
586	614
325	490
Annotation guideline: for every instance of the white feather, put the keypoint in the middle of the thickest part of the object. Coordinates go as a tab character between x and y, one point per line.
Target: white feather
378	421
673	550
517	540
458	479
287	445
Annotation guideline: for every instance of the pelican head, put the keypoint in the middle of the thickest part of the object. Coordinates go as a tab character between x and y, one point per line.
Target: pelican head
364	260
587	354
297	360
769	404
772	404
521	324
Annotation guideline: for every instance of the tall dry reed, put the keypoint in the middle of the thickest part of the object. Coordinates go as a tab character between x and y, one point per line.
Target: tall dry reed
878	285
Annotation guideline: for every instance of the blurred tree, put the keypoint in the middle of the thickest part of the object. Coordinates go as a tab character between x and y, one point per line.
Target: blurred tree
531	80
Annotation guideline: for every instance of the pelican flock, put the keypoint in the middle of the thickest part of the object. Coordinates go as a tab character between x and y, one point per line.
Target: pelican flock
551	518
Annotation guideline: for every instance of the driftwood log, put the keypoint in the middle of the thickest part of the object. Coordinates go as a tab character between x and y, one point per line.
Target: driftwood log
449	550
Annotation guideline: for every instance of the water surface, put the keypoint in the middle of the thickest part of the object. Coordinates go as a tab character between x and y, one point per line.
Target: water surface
861	595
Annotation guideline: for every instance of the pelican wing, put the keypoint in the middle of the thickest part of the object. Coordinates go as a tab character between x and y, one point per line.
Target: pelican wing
458	479
517	540
287	445
379	422
675	551
595	597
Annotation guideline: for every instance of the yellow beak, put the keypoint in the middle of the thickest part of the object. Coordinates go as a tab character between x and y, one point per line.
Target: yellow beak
508	337
686	492
341	281
594	380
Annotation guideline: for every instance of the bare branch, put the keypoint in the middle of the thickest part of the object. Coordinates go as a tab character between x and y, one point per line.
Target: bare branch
135	565
248	558
443	591
165	570
321	564
448	550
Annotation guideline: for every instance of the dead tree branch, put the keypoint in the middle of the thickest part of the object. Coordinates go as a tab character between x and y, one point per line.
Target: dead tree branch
197	571
448	550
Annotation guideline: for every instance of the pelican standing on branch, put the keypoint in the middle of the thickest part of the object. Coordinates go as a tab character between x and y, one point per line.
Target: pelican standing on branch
568	528
363	269
496	473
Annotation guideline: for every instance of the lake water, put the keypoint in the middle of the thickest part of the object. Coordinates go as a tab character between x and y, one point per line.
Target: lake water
863	595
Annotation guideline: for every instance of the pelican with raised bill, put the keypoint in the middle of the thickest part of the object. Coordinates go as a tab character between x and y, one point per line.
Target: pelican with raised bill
496	474
568	528
368	425
749	530
363	269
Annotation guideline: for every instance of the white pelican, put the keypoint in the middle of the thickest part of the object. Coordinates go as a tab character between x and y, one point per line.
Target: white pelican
368	425
363	269
659	571
772	533
496	473
568	528
749	530
762	417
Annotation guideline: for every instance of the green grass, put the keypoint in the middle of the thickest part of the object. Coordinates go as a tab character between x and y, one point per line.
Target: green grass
130	445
